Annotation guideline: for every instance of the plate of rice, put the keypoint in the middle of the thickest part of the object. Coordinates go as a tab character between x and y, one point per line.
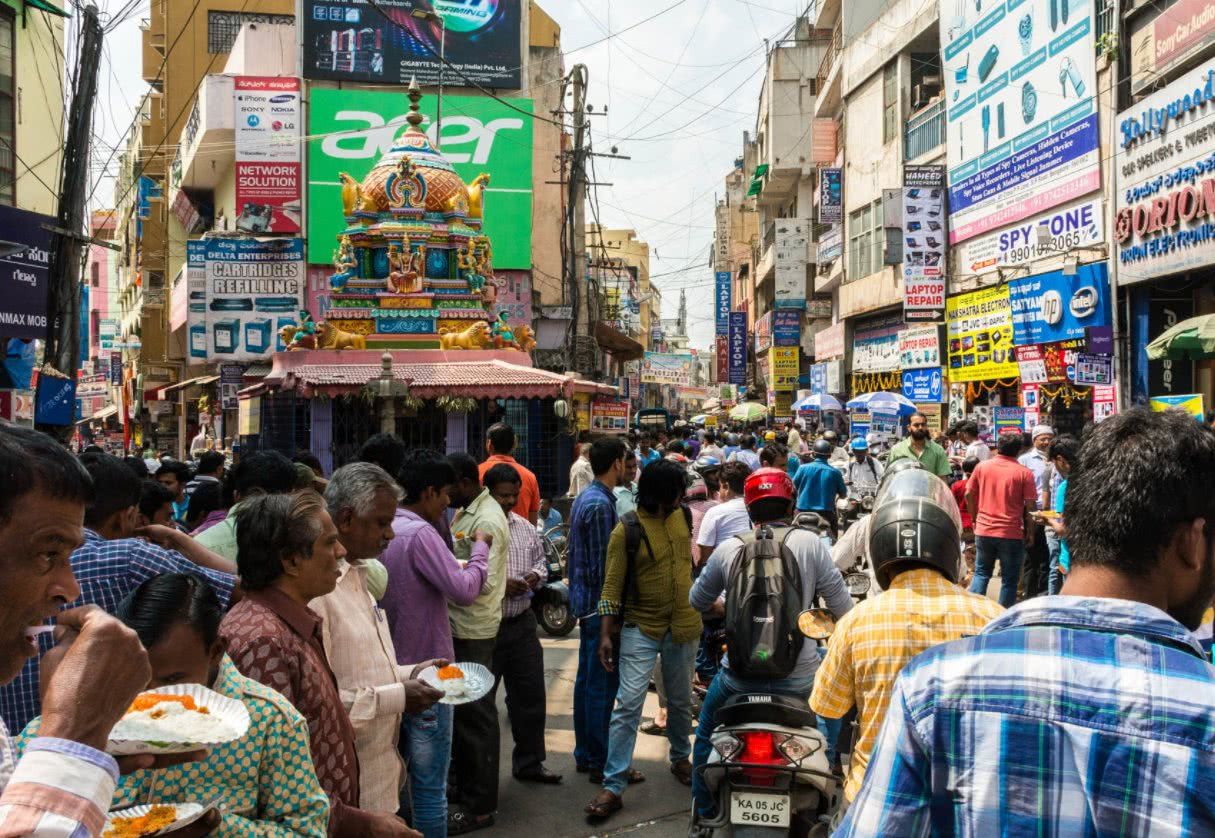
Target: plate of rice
152	819
176	719
460	683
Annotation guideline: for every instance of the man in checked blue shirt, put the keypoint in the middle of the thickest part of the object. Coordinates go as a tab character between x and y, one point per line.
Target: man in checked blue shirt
592	519
111	563
1090	713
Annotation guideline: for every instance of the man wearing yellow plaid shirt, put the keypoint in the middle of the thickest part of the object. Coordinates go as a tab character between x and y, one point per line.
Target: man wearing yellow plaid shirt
914	544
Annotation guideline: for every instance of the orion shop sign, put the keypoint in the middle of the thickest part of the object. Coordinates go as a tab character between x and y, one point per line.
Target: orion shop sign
1166	165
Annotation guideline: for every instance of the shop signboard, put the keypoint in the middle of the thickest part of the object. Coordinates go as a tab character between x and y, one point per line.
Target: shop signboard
924	385
1163	212
609	415
1048	363
786	327
738	347
230	378
783	366
829	342
268	122
763	333
919	348
725	301
830	195
1174	35
1191	403
1076	225
254	288
980	331
792	250
1094	369
923	243
92	386
875	345
723	357
25	273
1168	377
479	43
835	377
196	299
350	130
818	379
666	368
107	332
1021	128
858	422
1008	420
885	426
831	244
1105	402
1053	306
1029	400
55	400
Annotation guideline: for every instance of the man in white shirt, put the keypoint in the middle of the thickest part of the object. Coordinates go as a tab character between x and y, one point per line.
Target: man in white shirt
746	454
581	474
864	472
972	446
728	518
711	448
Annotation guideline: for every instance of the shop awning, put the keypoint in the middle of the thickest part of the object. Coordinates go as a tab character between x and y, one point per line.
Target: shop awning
47	7
189	382
1192	339
101	415
489	379
622	347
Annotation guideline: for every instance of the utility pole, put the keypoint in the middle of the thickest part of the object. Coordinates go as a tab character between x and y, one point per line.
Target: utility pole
63	341
584	346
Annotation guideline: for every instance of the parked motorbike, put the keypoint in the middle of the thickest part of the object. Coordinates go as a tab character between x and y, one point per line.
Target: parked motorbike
853	508
552	602
768	771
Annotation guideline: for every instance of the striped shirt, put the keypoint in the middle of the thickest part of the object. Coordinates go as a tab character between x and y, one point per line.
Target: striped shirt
58	789
525	555
873	642
592	519
1065	716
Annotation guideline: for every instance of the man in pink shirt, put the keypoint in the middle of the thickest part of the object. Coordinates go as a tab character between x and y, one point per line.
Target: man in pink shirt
1000	495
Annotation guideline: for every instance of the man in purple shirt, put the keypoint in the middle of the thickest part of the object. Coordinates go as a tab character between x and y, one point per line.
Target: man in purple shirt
423	575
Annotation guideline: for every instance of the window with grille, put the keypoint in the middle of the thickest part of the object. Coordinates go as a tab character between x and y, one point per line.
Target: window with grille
865	240
8	110
223	27
890	101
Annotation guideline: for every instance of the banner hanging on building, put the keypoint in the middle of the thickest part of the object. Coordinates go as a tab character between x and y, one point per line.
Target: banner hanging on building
25	274
1051	307
829	343
268	123
980	332
1021	127
723	357
783	368
609	415
725	300
923	243
254	288
738	347
383	43
792	250
763	333
875	345
919	348
351	130
196	299
666	368
830	195
924	385
1076	225
786	327
1174	35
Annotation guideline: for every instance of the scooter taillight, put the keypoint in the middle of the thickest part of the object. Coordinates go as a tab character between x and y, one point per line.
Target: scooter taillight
759	748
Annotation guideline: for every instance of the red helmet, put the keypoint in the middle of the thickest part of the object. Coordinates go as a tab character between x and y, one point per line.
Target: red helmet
768	483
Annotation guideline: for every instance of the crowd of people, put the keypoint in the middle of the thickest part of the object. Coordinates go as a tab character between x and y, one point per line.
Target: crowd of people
318	602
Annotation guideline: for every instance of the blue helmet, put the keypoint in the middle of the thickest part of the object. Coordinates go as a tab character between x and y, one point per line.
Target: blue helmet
860	444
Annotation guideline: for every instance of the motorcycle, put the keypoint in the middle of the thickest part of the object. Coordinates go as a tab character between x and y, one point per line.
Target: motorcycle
768	771
853	508
552	601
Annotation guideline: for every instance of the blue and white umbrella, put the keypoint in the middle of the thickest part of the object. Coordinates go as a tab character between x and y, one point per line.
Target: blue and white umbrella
884	402
819	401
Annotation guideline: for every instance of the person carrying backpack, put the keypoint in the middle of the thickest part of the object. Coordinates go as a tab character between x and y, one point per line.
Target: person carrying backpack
768	575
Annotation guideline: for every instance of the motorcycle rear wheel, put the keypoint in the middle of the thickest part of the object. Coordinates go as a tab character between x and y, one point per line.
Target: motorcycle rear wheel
555	618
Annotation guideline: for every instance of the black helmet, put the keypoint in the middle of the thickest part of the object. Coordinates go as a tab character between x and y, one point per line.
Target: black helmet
823	448
915	522
897	467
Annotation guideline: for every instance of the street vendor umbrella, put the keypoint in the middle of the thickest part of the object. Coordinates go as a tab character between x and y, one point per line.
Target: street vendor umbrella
749	412
699	419
819	401
884	402
1192	339
712	405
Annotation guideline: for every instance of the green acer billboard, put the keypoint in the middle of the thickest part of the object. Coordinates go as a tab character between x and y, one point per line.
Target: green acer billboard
351	129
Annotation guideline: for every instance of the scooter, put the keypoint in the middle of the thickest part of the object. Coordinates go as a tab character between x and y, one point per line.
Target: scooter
552	601
768	772
852	509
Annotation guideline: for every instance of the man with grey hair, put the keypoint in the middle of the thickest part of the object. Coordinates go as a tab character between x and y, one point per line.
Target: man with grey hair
581	473
362	500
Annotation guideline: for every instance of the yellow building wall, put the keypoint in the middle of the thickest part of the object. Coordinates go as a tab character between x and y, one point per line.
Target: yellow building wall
39	130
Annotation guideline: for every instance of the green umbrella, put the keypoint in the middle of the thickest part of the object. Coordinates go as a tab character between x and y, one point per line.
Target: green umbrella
1192	339
749	412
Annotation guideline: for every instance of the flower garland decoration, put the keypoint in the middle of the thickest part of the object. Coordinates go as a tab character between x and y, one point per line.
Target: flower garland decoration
974	389
1066	392
456	404
874	382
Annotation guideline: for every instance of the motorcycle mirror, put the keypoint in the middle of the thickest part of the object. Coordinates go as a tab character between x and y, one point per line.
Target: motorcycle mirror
816	623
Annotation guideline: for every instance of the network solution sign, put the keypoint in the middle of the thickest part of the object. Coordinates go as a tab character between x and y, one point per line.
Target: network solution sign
1165	206
352	129
1021	135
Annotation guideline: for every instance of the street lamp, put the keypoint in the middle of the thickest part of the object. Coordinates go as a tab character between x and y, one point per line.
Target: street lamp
434	17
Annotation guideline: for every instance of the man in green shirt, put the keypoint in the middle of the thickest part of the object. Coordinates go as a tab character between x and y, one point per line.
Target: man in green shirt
651	600
918	446
474	631
260	473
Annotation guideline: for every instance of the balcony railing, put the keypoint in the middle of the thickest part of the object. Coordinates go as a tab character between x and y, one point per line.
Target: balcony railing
830	56
925	131
1105	20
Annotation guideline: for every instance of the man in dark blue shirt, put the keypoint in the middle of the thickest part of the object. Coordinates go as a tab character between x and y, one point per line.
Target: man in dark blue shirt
819	484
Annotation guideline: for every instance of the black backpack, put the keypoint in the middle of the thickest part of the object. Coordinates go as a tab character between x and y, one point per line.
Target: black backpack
634	536
763	601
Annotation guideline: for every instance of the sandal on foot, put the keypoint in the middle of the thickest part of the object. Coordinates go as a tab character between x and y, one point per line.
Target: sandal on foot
603	806
654	729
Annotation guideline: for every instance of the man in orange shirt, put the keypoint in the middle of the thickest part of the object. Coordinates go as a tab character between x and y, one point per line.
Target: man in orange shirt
500	442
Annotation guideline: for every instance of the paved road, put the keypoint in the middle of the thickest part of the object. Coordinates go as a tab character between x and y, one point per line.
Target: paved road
657	808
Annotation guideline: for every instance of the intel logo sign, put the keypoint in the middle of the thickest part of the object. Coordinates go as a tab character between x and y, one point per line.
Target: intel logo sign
1084	302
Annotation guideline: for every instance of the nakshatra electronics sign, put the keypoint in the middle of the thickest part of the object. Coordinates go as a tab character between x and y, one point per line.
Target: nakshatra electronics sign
1165	205
1021	134
352	129
255	287
382	42
268	125
980	331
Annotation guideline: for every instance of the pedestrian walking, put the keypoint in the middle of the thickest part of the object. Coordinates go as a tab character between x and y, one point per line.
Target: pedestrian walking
1000	495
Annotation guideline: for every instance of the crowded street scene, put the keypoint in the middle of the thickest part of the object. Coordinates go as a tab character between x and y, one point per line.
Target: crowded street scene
537	417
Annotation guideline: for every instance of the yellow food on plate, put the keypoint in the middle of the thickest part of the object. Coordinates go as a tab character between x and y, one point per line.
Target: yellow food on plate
149	823
147	701
450	671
